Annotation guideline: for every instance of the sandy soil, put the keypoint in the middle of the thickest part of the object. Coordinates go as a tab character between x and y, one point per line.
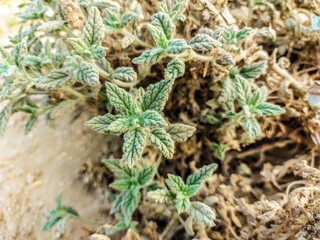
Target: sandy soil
37	166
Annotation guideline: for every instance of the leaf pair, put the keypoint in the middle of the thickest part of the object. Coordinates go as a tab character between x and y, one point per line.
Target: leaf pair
180	193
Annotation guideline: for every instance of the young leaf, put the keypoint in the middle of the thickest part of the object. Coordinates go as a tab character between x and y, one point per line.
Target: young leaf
175	183
20	52
252	127
254	70
151	118
149	57
204	42
93	33
177	46
121	185
220	149
127	41
101	123
156	96
164	23
202	213
180	132
182	204
120	171
228	93
134	143
118	202
162	196
120	99
105	65
56	79
130	202
87	74
146	174
243	89
6	57
243	33
158	35
98	53
127	18
174	69
162	140
120	126
30	123
267	109
259	96
199	177
4	117
126	74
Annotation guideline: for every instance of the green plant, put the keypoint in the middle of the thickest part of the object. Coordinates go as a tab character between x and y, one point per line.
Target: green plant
70	70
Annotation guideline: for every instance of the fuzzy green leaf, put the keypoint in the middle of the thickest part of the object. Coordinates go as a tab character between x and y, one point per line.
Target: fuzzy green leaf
180	132
162	140
162	196
56	79
202	213
252	127
121	185
127	18
158	35
120	171
243	89
182	204
125	74
30	123
50	25
267	109
204	42
175	183
151	118
87	74
130	202
105	65
174	69
118	202
199	177
101	123
127	41
156	96
78	45
164	23
243	33
6	57
146	174
254	70
120	99
98	53
93	33
4	117
149	57
134	143
120	126
177	46
20	52
259	96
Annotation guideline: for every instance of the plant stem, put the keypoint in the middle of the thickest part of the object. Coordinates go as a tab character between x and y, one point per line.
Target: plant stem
84	220
194	55
75	93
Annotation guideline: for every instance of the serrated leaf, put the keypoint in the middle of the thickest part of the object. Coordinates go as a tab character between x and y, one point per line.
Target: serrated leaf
175	183
156	96
182	204
120	126
6	57
30	123
20	51
118	202
56	79
127	41
4	117
105	65
127	18
267	109
149	57
50	26
31	60
260	95
243	33
51	222
175	68
252	127
78	45
228	93
6	91
98	53
120	99
162	140
164	23
151	118
204	42
180	132
162	196
92	33
243	89
199	177
146	174
134	143
254	70
176	46
87	74
202	213
101	123
120	171
122	185
130	202
125	74
158	35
